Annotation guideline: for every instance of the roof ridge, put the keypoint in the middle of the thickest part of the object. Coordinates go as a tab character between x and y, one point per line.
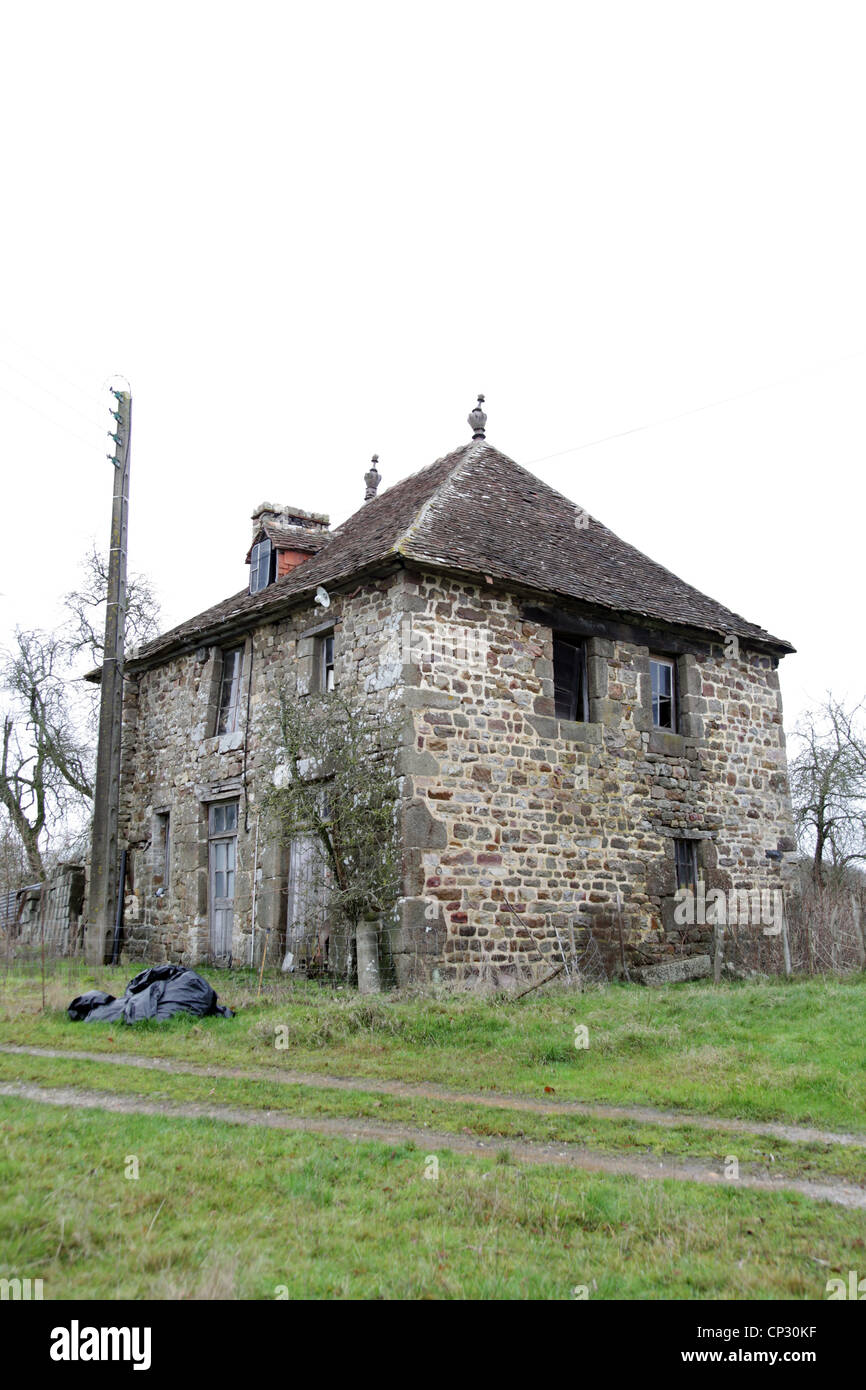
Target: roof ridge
534	477
415	524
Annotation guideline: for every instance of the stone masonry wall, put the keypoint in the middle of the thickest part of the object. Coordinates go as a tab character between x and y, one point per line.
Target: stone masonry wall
573	824
506	809
174	764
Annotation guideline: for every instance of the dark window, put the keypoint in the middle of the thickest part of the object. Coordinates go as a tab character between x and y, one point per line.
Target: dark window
263	566
230	690
326	661
664	692
162	849
686	856
569	679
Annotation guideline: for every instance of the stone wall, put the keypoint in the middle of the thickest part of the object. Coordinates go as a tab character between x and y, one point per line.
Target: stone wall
174	764
506	809
573	824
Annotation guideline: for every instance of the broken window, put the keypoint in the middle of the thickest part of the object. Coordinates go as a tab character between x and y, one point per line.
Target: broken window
686	856
162	851
263	565
569	679
326	661
230	690
663	692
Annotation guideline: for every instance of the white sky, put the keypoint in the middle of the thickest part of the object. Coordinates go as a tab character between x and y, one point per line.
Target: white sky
306	233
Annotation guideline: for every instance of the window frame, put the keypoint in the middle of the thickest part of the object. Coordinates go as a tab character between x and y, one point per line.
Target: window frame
162	858
656	659
325	668
578	705
263	559
686	850
221	910
228	710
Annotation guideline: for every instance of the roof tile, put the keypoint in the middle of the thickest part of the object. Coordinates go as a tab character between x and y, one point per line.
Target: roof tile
477	511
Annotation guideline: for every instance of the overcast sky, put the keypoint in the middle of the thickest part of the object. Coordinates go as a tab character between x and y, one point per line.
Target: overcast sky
307	233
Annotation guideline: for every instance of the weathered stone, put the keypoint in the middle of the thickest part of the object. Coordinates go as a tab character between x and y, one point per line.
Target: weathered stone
414	763
674	972
421	829
574	731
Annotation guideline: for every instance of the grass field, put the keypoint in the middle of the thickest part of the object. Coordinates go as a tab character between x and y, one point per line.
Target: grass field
768	1050
225	1211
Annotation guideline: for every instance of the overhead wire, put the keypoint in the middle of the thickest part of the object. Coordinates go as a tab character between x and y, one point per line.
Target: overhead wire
53	394
696	410
58	424
52	367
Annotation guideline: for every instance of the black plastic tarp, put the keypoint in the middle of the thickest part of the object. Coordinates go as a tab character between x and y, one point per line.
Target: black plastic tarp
158	992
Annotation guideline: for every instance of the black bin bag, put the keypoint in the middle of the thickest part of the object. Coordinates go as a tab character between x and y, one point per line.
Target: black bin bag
158	992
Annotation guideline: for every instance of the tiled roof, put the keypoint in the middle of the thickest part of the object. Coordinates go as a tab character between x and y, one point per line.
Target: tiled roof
477	511
291	538
296	538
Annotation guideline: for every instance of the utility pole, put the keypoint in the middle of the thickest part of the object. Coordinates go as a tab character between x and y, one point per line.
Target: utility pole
105	851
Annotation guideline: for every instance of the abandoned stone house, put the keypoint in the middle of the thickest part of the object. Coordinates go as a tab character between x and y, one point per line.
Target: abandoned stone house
584	734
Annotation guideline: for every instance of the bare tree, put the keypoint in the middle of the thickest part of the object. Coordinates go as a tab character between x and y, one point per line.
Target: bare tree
828	787
49	717
86	608
46	764
14	866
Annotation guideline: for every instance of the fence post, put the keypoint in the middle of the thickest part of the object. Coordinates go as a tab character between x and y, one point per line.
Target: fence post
367	951
718	951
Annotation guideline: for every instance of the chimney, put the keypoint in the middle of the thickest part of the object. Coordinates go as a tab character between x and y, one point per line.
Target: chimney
295	534
289	518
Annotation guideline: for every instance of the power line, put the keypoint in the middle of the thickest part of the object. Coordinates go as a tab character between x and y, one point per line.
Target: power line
45	391
50	367
88	443
696	410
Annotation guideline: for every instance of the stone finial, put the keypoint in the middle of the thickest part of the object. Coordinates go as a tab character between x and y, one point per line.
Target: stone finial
477	419
372	478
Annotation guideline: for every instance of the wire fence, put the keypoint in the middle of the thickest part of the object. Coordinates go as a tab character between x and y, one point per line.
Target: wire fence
822	931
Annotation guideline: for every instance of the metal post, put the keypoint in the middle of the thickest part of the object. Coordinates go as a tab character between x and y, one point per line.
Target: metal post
106	802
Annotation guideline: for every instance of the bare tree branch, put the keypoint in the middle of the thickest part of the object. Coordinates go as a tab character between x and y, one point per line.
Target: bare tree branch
828	786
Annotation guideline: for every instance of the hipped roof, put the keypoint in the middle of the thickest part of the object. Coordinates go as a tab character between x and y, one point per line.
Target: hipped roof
477	512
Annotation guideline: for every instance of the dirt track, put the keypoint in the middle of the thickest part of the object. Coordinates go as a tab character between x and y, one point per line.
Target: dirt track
430	1141
642	1114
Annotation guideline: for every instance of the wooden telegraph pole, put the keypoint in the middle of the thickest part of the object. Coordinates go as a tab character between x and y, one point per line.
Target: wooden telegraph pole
105	851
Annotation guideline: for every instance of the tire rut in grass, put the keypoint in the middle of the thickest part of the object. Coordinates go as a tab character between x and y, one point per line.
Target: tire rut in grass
643	1114
430	1141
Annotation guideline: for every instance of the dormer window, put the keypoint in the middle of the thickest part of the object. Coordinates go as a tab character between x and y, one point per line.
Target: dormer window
263	565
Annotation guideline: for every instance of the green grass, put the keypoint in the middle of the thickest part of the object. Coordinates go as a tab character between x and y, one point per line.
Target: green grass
756	1154
766	1050
228	1212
